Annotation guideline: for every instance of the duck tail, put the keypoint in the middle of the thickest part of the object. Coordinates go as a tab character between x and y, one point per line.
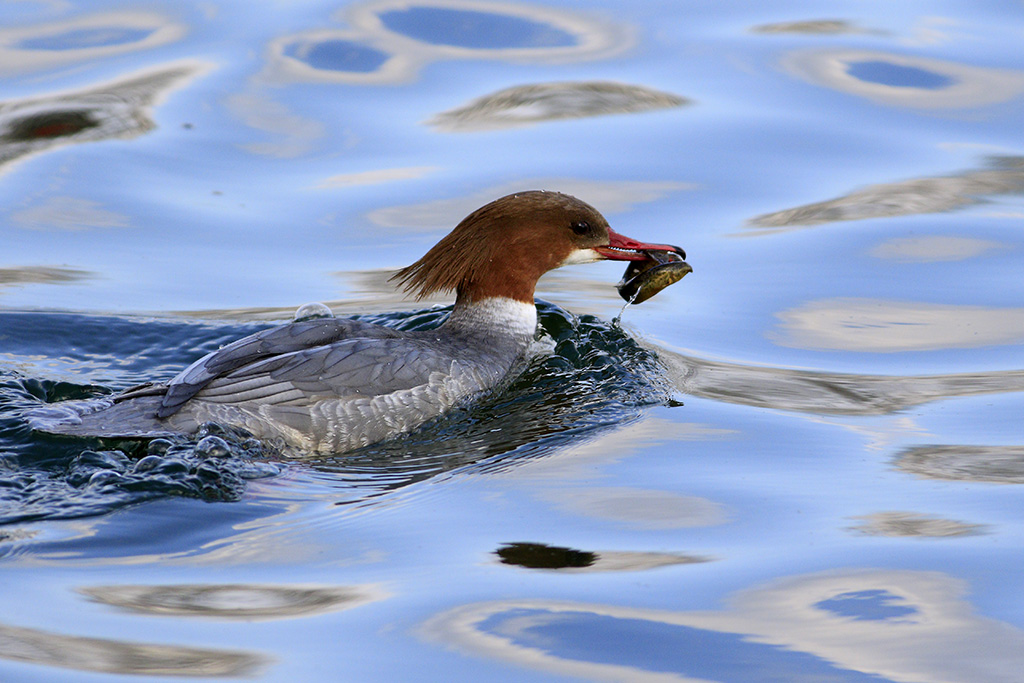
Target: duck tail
101	417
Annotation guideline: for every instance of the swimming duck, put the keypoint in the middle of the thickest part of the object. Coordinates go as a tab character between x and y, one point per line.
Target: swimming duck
329	385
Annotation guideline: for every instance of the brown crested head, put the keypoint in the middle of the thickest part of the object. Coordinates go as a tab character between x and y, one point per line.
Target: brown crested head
503	248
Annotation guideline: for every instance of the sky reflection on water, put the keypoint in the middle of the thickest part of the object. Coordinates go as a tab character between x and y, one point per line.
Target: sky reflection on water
825	479
843	625
905	81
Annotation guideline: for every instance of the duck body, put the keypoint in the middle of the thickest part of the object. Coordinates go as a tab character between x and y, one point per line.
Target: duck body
330	385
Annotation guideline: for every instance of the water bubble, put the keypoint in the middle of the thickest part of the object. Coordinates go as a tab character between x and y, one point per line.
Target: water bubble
104	460
212	447
211	429
313	310
104	477
159	446
147	463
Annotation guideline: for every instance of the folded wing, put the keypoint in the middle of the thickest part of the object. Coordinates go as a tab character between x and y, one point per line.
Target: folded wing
263	345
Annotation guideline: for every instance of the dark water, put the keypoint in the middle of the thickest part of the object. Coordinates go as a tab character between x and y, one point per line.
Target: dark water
803	462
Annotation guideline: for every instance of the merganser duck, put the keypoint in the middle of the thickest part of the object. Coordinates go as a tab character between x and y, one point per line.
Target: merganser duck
329	385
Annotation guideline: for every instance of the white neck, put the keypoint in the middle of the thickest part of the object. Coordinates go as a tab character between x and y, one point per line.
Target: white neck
496	314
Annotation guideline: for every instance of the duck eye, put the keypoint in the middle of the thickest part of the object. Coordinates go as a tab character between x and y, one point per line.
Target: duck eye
581	227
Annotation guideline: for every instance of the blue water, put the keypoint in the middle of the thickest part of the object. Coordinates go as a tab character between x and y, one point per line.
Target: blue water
85	38
339	55
802	462
472	29
898	76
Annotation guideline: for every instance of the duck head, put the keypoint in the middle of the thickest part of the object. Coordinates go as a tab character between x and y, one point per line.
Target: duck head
503	248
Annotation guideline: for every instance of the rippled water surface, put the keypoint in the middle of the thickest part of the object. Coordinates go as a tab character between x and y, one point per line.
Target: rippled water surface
801	463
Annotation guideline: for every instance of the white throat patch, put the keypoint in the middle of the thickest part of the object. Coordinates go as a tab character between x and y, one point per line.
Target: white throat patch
581	256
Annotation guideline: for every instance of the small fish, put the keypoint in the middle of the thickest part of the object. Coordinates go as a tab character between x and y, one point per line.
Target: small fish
643	279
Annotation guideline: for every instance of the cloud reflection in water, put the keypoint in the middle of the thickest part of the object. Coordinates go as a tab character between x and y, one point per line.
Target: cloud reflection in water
114	109
299	134
235	601
828	393
1004	175
824	27
845	625
882	326
911	524
964	463
71	43
527	104
78	653
67	213
52	275
390	40
904	80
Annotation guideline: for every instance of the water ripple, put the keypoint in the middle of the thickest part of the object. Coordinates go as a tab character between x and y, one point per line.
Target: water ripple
586	375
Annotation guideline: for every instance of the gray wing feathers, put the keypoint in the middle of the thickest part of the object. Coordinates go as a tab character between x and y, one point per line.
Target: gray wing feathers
256	389
352	368
270	343
323	385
